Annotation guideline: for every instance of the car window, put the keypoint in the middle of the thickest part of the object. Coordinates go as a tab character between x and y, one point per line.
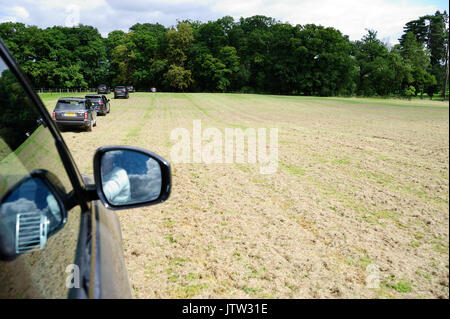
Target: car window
26	145
70	105
95	99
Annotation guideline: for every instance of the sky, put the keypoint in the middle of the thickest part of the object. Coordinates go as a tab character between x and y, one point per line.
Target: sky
351	17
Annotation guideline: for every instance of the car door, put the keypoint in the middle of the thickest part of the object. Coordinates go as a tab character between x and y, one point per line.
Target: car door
27	146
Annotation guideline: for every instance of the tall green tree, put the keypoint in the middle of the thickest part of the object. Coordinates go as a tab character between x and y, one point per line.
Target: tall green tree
417	58
432	32
179	41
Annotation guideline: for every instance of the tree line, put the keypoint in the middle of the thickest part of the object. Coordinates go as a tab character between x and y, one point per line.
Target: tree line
252	55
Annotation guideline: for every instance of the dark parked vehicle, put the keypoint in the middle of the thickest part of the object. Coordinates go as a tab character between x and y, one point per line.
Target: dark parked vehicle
59	233
130	88
101	103
103	89
75	111
121	91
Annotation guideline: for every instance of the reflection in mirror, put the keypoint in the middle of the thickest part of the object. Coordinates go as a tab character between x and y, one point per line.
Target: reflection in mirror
28	215
130	177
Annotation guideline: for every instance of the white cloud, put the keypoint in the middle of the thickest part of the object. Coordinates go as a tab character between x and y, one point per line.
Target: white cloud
349	16
20	12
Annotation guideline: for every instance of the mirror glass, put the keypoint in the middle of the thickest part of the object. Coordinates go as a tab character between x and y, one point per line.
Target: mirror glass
130	177
27	216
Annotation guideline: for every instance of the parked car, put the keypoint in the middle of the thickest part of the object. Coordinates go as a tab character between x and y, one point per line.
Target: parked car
59	232
101	103
75	111
103	89
130	88
121	91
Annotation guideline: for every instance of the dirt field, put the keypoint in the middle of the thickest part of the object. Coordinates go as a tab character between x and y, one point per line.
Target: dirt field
362	185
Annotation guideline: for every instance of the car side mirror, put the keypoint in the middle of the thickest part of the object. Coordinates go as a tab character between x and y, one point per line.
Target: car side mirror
30	212
127	177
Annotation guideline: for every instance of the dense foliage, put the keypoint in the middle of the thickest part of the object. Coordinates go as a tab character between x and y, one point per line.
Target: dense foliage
256	54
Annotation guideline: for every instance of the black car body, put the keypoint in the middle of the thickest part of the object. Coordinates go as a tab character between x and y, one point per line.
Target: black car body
59	233
100	102
121	91
75	112
103	89
130	88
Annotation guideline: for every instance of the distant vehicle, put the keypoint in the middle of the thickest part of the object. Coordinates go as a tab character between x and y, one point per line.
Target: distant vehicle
101	103
121	91
130	88
75	111
153	89
103	89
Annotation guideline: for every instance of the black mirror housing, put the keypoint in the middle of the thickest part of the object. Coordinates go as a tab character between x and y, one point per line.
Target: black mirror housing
128	177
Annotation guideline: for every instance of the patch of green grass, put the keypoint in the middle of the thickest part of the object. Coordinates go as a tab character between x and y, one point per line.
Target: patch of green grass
383	102
133	132
256	272
243	168
440	248
427	276
385	214
342	161
259	180
292	169
402	285
414	191
249	290
415	244
286	204
191	276
195	175
56	95
365	261
177	261
173	277
378	177
171	239
189	291
169	223
290	286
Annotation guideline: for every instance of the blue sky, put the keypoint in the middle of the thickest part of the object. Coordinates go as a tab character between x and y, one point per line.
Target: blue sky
351	17
439	3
